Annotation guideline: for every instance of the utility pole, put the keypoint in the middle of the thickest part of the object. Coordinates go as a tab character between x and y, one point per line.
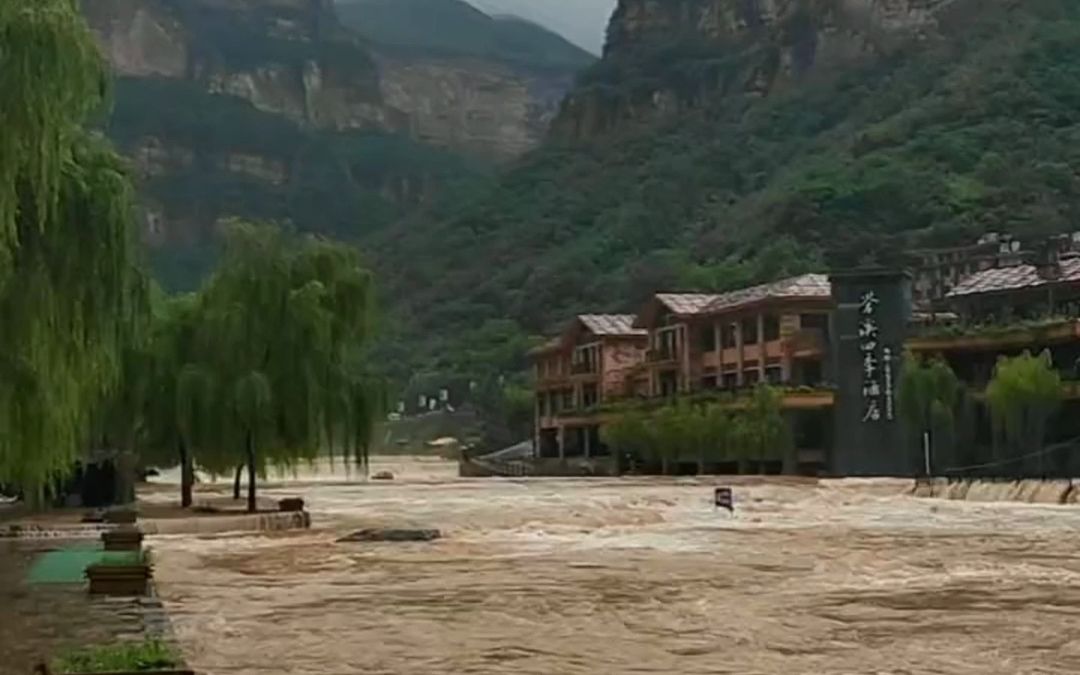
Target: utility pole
926	451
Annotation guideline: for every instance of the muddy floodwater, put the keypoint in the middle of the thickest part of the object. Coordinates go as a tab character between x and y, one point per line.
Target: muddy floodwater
558	577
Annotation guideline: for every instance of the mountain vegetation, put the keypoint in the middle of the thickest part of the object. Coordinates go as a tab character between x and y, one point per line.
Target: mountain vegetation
345	184
973	127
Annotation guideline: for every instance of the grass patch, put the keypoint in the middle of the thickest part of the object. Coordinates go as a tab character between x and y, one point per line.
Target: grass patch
147	656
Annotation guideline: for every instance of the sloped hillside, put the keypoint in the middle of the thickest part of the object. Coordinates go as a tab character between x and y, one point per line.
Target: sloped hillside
721	142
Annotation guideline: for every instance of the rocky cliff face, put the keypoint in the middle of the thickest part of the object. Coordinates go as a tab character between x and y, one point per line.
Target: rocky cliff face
664	56
480	108
287	57
293	58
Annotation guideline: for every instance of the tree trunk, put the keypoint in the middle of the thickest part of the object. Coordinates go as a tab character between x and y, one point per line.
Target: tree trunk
251	505
236	482
125	477
665	466
701	466
187	475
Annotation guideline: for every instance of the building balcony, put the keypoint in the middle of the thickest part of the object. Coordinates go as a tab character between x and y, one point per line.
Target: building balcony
661	355
584	368
958	337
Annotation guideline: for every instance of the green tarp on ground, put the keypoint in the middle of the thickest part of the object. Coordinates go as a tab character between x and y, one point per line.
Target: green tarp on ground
68	566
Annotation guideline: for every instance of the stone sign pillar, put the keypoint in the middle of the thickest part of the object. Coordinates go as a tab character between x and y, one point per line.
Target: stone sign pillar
873	308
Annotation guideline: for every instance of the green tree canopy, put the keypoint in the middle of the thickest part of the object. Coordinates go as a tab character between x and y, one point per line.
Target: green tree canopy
931	400
1025	393
71	295
265	365
751	429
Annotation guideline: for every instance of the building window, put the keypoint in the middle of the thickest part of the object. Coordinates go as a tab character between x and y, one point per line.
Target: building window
751	377
774	374
567	400
708	338
772	328
589	396
730	380
709	382
811	321
665	344
669	383
749	330
727	336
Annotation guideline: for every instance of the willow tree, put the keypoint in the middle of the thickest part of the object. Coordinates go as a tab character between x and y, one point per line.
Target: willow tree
722	433
628	431
70	293
764	433
1025	393
930	401
282	328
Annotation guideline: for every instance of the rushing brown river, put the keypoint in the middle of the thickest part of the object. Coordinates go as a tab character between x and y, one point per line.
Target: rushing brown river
557	577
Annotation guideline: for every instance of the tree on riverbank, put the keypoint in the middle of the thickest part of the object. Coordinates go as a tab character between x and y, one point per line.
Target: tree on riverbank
71	294
1025	393
264	366
742	431
931	401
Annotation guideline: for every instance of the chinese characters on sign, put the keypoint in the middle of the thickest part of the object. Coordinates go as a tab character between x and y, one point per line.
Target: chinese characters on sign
876	363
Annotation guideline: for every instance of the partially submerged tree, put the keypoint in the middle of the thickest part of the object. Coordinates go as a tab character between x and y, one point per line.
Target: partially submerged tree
729	430
1025	393
931	402
278	345
765	433
70	291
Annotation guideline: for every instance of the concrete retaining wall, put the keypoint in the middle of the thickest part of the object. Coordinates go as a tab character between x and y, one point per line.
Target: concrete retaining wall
1026	491
259	522
256	522
545	467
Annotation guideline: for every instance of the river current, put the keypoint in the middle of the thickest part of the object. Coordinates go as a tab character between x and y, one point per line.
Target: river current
611	576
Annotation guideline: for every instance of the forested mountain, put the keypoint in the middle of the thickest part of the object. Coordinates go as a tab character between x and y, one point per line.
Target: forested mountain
721	142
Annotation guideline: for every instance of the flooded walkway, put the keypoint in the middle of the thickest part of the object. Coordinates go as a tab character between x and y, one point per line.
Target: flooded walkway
559	577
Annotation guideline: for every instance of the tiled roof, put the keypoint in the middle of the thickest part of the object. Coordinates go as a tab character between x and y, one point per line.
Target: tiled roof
1013	278
686	303
611	324
805	286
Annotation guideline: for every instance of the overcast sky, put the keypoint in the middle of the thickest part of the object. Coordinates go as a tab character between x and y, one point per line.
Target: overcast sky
580	21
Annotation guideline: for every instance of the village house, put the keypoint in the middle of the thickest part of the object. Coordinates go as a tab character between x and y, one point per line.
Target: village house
936	271
594	361
776	333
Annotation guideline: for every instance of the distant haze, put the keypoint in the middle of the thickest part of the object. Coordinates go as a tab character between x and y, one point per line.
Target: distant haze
583	22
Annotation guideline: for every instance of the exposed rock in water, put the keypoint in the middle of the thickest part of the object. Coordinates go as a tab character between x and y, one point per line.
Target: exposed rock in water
389	534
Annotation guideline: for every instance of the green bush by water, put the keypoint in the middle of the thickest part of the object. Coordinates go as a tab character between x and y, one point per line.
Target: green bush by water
146	656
